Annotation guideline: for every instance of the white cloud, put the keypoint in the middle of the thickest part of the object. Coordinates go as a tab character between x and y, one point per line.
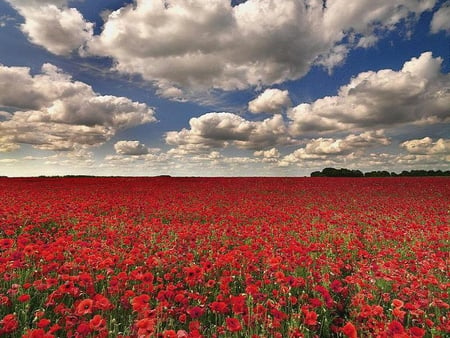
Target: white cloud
54	112
419	161
441	19
271	153
6	146
326	148
271	101
8	161
130	148
329	146
218	130
268	156
418	93
54	26
78	159
426	146
367	41
200	44
424	67
6	20
335	56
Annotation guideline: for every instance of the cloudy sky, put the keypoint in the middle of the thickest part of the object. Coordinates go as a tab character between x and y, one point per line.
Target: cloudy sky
220	87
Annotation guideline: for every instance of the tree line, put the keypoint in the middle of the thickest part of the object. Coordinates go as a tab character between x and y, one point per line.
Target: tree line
343	172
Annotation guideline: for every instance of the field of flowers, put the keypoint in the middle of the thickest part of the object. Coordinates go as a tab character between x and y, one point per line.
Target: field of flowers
224	257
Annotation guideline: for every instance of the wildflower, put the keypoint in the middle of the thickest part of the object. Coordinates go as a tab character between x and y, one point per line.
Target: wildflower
233	325
43	322
416	332
9	324
396	328
24	298
146	327
219	307
170	334
84	307
349	330
98	323
195	312
310	318
102	303
6	243
140	303
37	333
397	303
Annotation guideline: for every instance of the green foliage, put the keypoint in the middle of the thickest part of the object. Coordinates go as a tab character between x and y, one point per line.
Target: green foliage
343	172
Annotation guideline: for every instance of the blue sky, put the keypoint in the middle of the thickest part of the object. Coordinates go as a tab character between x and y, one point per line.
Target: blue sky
223	88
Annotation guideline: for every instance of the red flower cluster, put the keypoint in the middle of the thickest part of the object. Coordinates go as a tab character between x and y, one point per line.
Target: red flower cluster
212	257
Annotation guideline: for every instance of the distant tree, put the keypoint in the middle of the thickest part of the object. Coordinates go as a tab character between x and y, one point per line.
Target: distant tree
343	172
330	172
383	173
333	172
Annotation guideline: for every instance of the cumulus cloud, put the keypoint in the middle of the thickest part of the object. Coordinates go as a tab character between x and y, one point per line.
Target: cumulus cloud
420	161
54	26
440	21
425	152
6	146
54	112
78	158
271	101
130	148
426	146
271	153
218	130
418	93
201	44
323	148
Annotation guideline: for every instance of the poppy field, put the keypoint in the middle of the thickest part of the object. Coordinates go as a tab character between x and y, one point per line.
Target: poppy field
224	257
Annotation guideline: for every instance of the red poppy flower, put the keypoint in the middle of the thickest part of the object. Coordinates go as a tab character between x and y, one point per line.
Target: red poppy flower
397	303
54	328
349	330
310	318
194	325
395	327
9	324
400	314
37	333
182	334
219	307
416	332
146	326
169	334
84	307
140	303
24	298
6	243
83	329
238	305
195	312
233	325
180	253
102	303
43	322
98	323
